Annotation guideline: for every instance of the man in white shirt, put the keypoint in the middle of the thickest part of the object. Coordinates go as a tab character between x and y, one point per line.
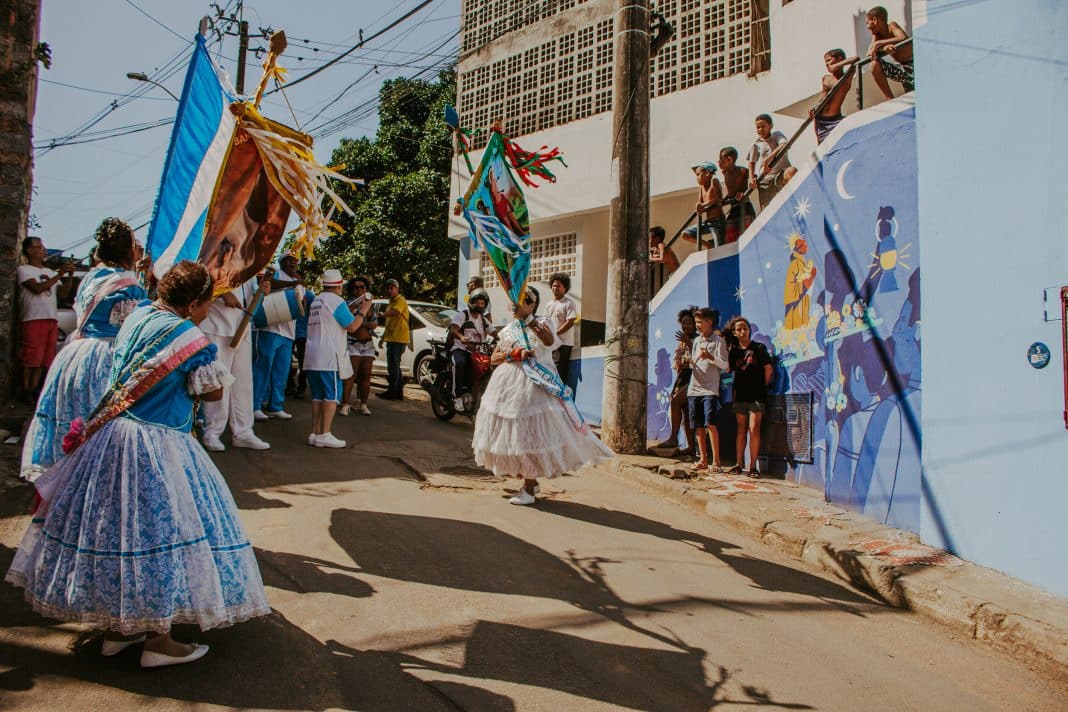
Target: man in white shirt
329	320
561	310
274	351
468	328
235	407
38	319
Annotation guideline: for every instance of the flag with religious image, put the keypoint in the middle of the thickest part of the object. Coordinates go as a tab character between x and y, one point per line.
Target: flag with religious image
231	179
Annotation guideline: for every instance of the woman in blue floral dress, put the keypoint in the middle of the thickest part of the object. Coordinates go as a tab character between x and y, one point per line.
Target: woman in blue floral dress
80	374
137	530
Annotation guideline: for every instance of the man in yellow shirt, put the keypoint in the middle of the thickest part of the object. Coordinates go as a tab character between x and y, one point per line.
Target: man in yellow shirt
396	337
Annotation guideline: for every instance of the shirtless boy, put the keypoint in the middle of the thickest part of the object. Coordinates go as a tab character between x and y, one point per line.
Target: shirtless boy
831	113
709	204
884	35
736	181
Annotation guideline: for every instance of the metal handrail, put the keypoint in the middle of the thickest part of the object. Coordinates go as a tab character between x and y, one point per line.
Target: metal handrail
853	68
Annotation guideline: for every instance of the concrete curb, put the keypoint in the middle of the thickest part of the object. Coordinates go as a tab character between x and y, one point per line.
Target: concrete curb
1016	618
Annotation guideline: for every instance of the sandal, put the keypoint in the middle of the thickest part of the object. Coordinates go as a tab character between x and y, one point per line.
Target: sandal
736	470
753	474
700	467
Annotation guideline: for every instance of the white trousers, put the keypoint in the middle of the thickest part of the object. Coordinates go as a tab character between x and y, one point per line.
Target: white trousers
235	406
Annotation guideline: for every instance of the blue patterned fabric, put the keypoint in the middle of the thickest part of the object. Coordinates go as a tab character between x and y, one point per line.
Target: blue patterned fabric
109	314
140	531
168	403
79	376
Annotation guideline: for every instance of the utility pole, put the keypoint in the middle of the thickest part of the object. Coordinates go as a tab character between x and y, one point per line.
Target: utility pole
242	50
626	346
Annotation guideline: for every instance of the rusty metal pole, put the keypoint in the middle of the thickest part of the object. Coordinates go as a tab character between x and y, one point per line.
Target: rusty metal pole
627	312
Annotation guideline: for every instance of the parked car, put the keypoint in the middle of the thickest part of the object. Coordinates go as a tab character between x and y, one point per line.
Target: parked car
428	321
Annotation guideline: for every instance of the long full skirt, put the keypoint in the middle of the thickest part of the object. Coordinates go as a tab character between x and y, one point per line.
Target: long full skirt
76	381
523	431
138	532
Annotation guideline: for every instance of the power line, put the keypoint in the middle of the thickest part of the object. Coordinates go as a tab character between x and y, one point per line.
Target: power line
98	91
355	47
131	4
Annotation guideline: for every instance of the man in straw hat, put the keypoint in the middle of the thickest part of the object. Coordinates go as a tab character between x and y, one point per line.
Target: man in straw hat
326	353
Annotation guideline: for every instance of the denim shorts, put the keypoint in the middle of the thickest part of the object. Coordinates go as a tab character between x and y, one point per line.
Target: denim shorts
703	411
325	386
744	407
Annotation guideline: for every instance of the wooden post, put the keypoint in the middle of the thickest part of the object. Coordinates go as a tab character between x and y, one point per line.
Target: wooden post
627	312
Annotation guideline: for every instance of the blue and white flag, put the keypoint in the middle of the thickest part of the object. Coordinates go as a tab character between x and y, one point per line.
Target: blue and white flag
201	139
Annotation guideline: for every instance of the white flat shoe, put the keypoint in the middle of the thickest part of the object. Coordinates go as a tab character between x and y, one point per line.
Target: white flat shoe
114	647
150	659
523	498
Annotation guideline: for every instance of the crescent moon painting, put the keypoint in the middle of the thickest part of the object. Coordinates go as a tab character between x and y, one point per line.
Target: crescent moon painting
841	181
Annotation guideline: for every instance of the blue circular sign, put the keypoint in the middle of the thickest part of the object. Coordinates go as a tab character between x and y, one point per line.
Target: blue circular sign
1038	355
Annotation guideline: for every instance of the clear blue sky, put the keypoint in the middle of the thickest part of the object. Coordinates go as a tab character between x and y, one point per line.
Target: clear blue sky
94	44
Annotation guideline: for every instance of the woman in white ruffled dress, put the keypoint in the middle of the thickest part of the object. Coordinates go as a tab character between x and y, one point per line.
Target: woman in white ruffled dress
523	429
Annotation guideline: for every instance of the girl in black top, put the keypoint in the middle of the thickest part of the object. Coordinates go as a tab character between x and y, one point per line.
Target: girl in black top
750	363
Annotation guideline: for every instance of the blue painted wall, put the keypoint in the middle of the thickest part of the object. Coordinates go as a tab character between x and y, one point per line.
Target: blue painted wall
992	97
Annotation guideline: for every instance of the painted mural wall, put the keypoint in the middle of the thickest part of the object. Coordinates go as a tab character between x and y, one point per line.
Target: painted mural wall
829	277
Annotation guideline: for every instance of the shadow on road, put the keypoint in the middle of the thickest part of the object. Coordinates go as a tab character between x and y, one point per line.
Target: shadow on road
307	574
764	574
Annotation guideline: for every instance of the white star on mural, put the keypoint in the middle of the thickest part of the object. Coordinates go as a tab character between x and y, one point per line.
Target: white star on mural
739	292
767	265
657	334
802	208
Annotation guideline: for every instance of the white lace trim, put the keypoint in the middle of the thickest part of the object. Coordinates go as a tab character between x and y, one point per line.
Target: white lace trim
210	377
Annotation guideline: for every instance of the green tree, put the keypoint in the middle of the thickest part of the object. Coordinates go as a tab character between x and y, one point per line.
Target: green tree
400	227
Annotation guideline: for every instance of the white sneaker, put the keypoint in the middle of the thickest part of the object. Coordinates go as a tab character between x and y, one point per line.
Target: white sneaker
343	410
328	440
259	415
278	414
214	445
458	403
251	442
365	410
523	498
312	439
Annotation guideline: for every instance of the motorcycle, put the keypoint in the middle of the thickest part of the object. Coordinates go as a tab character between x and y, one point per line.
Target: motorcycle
439	385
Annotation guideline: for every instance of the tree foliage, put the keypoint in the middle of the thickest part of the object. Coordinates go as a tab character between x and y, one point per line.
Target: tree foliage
400	226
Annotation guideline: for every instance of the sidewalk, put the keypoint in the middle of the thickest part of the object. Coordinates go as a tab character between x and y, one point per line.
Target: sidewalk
1012	616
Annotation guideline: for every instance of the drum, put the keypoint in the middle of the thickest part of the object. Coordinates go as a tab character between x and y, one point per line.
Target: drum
278	308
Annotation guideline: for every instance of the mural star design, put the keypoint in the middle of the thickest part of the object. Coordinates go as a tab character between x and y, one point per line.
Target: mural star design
658	333
802	208
739	292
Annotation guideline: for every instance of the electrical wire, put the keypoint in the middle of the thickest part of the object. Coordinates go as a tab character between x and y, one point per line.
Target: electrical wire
357	46
131	4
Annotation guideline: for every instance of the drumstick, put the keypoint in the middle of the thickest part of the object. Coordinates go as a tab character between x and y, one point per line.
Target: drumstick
249	311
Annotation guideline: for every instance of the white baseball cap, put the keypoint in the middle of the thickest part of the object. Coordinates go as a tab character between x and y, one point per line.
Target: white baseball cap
332	278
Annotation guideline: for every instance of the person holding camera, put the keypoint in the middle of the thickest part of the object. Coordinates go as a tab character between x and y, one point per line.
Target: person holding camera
38	316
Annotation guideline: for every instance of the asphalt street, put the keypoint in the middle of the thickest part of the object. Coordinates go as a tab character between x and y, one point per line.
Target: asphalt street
401	579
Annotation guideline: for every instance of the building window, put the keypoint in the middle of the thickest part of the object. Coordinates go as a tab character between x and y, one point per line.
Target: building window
714	39
548	255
